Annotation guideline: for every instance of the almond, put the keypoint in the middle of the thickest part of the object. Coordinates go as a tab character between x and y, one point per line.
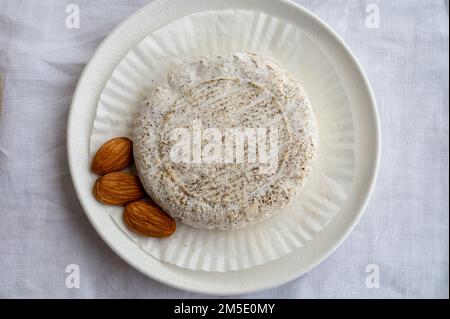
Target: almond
118	188
145	218
114	155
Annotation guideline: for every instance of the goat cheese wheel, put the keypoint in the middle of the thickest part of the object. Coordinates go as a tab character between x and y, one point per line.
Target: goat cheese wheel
225	142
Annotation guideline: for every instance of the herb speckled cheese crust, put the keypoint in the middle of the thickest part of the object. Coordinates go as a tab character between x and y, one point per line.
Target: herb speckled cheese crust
229	91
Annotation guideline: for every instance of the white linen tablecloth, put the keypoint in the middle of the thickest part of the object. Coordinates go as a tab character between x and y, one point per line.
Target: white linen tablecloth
404	230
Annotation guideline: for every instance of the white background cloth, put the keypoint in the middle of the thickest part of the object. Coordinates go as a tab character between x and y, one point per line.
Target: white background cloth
404	229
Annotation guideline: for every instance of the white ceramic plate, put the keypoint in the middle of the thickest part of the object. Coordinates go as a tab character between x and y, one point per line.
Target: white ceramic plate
83	110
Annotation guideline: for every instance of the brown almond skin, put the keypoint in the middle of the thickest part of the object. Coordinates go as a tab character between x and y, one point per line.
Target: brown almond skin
118	188
114	155
147	219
